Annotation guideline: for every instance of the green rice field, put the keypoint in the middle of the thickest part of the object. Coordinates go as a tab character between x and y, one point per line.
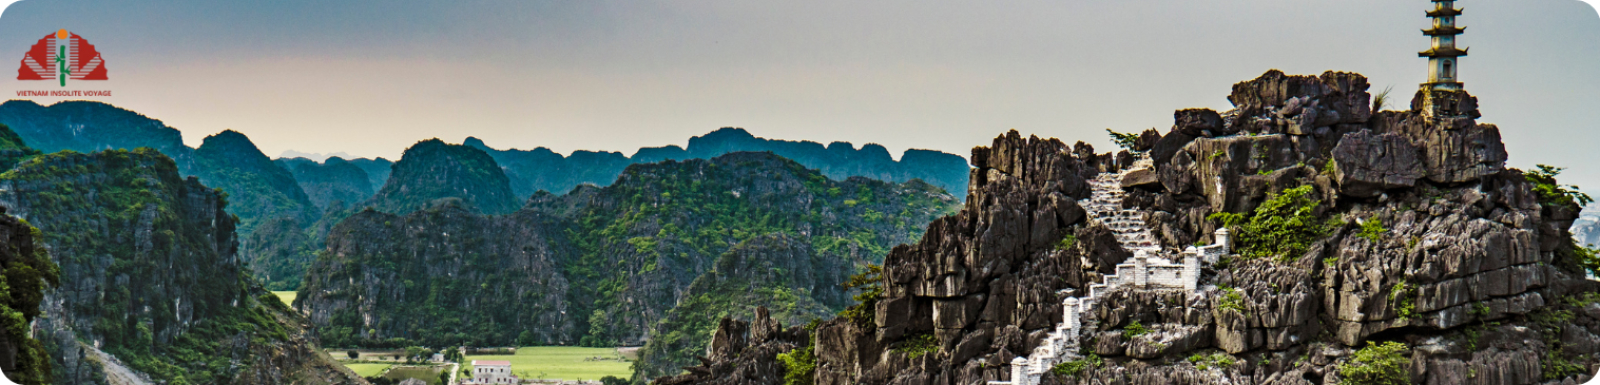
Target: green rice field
367	370
562	362
286	296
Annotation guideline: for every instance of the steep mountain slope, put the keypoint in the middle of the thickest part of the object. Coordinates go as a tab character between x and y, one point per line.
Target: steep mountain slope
88	126
257	188
1387	247
542	169
332	180
433	169
12	148
150	285
601	265
27	269
377	170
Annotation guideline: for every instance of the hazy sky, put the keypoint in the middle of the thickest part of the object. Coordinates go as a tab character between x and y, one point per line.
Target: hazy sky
372	77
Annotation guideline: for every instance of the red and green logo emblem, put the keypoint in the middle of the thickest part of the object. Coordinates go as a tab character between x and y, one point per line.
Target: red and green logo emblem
62	55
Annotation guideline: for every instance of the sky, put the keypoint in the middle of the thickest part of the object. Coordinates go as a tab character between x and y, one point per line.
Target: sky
371	77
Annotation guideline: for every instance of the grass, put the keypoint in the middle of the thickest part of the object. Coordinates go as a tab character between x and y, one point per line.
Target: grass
367	370
286	296
561	362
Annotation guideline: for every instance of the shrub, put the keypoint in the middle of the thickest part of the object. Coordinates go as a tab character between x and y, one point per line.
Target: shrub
1075	367
1231	299
1377	365
918	344
799	366
1403	298
1553	193
870	282
1066	242
1207	361
1372	229
1134	329
1281	227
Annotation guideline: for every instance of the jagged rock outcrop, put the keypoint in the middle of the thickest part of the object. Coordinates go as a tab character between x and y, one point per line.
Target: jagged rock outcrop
541	169
432	169
1420	236
150	279
777	271
739	352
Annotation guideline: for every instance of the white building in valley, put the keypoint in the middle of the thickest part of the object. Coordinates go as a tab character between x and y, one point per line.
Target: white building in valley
492	372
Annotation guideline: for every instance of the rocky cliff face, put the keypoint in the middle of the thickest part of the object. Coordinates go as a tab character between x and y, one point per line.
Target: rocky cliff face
432	169
603	265
778	272
542	169
28	270
1406	227
151	289
88	126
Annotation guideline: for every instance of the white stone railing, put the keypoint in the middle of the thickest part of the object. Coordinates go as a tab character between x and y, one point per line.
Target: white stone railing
1142	271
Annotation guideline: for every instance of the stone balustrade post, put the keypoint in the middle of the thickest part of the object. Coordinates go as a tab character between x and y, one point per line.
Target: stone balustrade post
1191	273
1019	371
1141	268
1225	239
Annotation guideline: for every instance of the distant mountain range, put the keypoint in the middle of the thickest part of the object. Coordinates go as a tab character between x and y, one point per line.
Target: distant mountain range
541	169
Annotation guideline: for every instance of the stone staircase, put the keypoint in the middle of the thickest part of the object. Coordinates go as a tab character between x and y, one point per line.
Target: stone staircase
1147	269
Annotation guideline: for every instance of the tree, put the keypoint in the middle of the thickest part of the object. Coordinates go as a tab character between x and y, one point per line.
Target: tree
526	339
613	380
1126	141
353	354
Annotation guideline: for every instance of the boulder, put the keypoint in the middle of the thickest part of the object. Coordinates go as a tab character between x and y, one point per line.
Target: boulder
1366	164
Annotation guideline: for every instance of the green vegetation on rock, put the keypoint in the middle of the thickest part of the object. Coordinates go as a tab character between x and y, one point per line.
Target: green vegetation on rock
1377	364
1283	227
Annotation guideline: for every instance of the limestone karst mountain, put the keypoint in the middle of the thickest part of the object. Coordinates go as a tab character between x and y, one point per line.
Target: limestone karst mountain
333	180
1367	247
88	126
432	169
542	169
151	289
606	265
29	273
258	190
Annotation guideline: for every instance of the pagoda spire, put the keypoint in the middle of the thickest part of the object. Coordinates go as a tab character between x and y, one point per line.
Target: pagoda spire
1444	59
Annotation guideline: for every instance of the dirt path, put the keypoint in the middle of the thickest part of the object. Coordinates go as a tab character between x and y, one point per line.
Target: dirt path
116	373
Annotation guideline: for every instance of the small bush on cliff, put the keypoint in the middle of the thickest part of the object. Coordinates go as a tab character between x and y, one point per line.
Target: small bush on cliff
1372	229
1376	365
800	365
918	345
1134	329
1553	193
1282	227
1066	242
1075	367
870	282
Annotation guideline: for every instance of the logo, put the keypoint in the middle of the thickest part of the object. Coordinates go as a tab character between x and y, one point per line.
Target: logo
62	55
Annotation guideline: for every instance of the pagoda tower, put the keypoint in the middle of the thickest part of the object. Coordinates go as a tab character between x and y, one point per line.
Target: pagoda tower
1443	57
